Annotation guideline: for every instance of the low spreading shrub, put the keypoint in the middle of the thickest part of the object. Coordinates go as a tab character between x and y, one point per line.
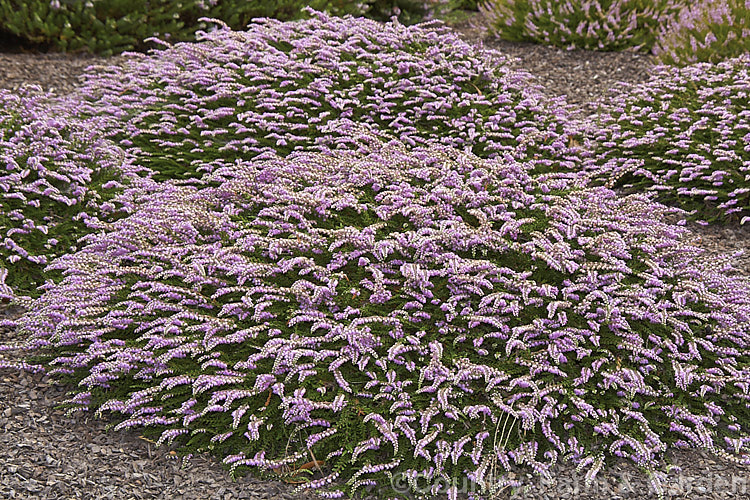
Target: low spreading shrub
707	31
400	311
193	107
684	134
58	176
281	285
583	24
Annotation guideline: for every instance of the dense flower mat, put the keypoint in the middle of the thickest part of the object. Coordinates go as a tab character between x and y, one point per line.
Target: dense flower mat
362	295
58	176
276	88
684	134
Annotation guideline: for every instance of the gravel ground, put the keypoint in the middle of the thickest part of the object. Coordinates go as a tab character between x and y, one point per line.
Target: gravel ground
58	73
46	455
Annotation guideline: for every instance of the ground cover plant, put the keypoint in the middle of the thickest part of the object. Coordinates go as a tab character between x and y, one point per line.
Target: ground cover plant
58	178
685	134
190	108
593	25
707	31
398	311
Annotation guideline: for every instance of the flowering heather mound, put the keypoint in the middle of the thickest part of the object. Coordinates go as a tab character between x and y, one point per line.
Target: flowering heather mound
686	135
57	175
593	25
396	312
279	87
708	31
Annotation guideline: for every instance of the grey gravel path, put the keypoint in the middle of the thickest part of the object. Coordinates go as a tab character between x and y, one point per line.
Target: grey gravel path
45	455
58	73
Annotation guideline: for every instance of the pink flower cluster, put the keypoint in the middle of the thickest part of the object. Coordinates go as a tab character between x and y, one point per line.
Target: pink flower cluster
706	31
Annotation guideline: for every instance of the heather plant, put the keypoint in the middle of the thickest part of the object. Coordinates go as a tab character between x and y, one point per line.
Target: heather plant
190	108
59	178
110	26
585	24
388	311
685	135
707	31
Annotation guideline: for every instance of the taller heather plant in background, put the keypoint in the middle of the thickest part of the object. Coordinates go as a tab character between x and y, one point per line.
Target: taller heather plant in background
707	31
191	108
58	178
402	311
684	134
582	24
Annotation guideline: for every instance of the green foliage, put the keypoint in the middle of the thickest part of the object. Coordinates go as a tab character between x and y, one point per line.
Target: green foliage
463	4
407	11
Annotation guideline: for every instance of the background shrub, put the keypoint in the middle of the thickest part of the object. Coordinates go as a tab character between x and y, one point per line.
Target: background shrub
107	26
399	311
278	87
407	11
583	24
707	31
99	26
111	26
463	4
685	135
